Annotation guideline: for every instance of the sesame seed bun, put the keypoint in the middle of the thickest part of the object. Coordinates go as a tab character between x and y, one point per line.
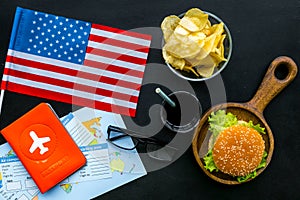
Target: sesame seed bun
238	150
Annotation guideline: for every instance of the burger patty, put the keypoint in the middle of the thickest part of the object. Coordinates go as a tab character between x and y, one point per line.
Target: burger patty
238	150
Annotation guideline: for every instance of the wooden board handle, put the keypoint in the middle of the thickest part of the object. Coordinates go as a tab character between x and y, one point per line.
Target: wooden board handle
271	85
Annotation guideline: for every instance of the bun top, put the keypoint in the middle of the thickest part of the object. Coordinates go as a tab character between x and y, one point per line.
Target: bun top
238	150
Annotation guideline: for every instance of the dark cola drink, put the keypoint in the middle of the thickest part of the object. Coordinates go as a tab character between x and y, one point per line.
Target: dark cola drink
185	115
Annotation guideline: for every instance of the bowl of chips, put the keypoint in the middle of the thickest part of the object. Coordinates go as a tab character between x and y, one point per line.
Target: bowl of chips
197	45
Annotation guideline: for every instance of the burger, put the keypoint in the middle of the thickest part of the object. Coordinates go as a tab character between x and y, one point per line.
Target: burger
236	147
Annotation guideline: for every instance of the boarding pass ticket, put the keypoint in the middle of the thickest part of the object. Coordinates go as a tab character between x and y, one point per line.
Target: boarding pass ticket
15	182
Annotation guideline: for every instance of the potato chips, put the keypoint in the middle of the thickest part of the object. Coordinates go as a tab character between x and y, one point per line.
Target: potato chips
192	43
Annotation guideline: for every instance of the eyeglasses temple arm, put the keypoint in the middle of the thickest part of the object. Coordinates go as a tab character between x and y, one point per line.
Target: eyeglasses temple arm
122	130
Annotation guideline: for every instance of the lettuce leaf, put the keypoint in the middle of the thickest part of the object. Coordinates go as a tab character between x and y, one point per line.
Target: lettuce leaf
209	162
220	120
241	179
256	127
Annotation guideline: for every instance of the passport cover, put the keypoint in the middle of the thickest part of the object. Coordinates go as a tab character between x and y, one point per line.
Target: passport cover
44	146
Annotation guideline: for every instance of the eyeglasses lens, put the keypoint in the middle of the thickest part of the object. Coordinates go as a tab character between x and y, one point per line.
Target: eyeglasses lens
123	140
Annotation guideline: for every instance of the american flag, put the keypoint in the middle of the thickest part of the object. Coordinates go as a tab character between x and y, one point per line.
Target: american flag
75	62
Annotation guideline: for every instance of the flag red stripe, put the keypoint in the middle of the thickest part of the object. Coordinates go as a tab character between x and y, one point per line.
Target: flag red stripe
75	86
119	43
43	66
114	68
69	99
123	32
71	72
4	83
116	56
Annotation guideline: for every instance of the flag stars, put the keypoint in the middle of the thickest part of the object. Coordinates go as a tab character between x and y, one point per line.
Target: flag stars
58	37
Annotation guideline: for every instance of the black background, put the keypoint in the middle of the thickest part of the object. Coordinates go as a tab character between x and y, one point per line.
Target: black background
261	31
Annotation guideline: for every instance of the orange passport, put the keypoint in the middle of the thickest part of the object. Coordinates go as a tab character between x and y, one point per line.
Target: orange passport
44	146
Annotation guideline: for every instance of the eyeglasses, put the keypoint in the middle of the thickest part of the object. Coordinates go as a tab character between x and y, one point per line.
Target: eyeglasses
129	140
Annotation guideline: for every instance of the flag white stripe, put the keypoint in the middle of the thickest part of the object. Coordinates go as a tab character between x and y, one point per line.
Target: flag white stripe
77	67
116	49
7	66
74	79
118	36
71	92
111	61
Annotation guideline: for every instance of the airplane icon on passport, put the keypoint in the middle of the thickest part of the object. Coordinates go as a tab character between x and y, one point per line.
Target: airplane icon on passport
38	143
